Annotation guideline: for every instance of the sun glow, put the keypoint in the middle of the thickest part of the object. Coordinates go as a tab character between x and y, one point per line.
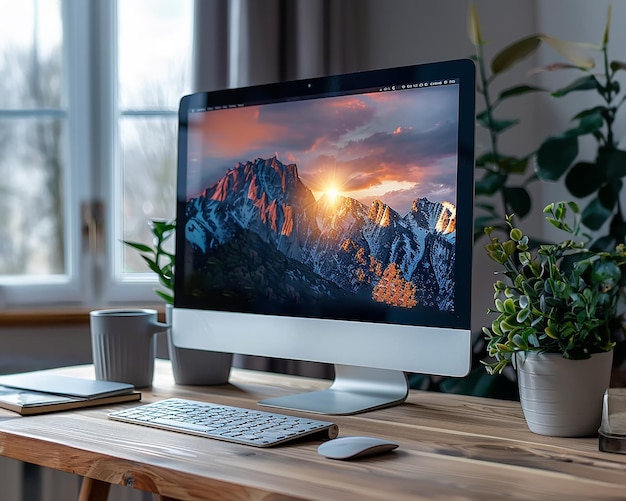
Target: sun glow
332	193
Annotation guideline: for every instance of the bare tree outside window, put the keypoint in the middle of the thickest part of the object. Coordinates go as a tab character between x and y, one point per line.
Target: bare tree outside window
32	133
153	57
154	40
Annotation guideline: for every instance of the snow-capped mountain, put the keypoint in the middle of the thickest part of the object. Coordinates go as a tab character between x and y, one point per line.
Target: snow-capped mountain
338	243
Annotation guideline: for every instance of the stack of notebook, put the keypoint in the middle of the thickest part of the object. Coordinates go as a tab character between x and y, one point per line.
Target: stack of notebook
40	392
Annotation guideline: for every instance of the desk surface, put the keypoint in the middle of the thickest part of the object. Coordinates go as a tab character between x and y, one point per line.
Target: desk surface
451	447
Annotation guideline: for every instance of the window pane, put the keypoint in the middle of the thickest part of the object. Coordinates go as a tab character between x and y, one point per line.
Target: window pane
154	72
30	55
32	140
149	164
31	227
154	52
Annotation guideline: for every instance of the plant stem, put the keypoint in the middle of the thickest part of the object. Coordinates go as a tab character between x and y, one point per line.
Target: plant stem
608	98
488	105
493	135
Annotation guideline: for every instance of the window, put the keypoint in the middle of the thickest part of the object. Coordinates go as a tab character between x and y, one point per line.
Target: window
89	95
33	133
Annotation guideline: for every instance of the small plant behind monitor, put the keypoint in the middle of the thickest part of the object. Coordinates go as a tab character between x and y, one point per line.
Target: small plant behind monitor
158	259
194	367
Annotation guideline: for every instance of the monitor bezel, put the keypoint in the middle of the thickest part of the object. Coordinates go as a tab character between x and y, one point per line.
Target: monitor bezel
335	85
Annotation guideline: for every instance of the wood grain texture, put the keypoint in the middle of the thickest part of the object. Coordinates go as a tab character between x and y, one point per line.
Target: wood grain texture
451	448
94	490
58	316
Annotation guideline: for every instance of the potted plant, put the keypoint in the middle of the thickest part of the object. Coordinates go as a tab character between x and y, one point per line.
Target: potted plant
197	367
556	311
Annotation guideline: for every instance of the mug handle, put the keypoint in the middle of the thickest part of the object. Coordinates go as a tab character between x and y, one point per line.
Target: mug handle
159	327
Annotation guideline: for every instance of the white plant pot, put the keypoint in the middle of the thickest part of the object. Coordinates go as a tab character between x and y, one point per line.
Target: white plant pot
560	397
197	367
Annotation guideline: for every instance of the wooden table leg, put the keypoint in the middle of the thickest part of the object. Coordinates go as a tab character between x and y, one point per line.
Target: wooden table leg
94	490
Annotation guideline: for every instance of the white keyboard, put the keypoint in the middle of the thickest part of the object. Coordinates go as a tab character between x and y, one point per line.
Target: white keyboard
222	422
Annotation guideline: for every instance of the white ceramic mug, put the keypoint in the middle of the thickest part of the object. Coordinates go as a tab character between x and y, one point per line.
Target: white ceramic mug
123	344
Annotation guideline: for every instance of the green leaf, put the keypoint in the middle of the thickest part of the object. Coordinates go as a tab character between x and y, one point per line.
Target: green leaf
583	83
138	246
494	125
572	51
518	199
616	164
533	341
555	156
501	125
509	306
513	165
152	265
519	341
524	301
556	67
617	65
522	315
587	124
514	53
168	298
473	26
596	110
550	332
517	91
605	38
486	158
608	194
595	214
585	178
606	242
489	184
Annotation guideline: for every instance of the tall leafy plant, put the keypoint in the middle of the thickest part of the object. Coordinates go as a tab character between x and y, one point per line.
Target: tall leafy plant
601	178
502	179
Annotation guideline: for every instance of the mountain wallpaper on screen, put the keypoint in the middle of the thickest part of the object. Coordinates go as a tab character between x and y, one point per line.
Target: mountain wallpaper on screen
259	235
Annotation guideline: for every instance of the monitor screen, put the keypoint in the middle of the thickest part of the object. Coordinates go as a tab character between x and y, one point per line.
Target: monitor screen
340	204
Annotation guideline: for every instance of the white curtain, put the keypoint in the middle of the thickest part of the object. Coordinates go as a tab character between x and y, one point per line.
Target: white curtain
248	42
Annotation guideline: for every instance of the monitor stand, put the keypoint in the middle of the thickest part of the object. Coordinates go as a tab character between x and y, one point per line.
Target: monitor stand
355	389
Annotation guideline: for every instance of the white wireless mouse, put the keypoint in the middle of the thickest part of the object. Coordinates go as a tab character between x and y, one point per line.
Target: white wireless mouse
355	447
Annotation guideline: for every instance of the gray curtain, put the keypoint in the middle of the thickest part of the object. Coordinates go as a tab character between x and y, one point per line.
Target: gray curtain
248	42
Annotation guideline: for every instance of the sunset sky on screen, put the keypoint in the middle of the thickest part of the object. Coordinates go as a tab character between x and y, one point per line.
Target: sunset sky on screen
393	146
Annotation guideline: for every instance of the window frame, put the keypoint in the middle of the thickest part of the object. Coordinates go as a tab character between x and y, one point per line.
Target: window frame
91	177
68	288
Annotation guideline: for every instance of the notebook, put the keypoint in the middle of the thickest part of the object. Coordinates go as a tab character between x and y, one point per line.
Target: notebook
26	402
44	382
40	392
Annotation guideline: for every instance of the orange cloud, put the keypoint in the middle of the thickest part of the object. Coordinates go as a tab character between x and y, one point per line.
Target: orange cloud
229	132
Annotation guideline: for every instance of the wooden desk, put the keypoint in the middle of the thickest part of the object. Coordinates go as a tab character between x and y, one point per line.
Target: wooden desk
451	447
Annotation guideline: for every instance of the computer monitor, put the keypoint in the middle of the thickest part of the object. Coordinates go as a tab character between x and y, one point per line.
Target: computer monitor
330	220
